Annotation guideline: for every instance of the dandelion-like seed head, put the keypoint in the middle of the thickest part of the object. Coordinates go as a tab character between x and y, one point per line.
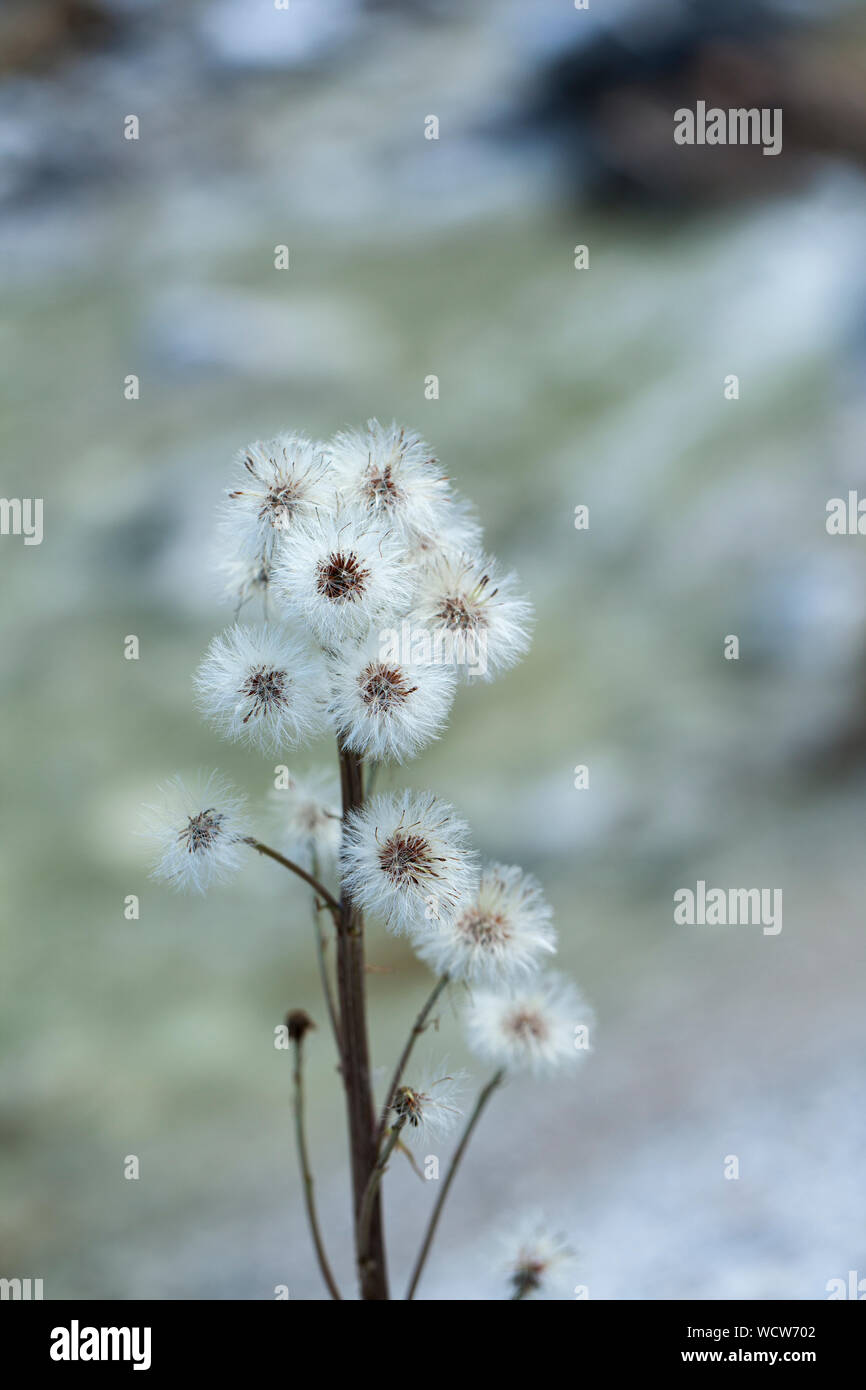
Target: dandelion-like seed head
538	1027
280	483
407	858
392	476
341	574
478	611
307	814
263	686
498	934
431	1108
538	1261
197	832
385	708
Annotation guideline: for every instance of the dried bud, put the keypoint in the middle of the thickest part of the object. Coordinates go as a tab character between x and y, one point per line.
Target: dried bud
298	1023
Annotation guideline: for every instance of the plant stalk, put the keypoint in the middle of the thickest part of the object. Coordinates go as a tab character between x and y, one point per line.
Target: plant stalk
356	1060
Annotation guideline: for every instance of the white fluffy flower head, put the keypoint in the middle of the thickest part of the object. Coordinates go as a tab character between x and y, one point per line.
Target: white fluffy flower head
391	476
477	611
281	483
262	686
407	857
538	1027
197	832
386	708
538	1261
308	815
340	575
430	1107
498	934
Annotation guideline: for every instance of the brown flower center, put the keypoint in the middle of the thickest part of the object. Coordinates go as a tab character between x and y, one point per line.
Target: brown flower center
484	928
527	1026
383	687
341	577
458	615
266	688
406	859
202	830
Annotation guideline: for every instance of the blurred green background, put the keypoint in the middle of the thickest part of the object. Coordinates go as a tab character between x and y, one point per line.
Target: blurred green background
453	257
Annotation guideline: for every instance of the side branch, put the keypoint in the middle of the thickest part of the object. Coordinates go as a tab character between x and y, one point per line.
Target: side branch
417	1029
327	898
455	1163
298	1025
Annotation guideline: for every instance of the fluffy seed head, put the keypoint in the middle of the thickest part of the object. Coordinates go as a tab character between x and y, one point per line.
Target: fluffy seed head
263	686
280	484
393	477
537	1027
340	575
307	814
477	609
197	832
498	934
538	1262
430	1109
407	858
385	708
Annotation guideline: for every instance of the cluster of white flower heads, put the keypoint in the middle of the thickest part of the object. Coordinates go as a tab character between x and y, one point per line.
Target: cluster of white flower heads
350	542
379	599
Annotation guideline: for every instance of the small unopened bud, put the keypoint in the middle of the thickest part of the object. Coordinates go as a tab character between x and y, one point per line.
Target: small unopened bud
298	1023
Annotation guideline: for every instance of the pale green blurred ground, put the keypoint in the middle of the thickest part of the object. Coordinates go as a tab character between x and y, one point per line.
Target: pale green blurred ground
154	1037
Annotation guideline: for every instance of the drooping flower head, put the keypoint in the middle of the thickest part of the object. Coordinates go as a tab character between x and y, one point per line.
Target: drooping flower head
386	708
307	812
392	477
538	1262
429	1107
498	934
407	858
262	686
482	619
536	1027
281	483
197	832
341	575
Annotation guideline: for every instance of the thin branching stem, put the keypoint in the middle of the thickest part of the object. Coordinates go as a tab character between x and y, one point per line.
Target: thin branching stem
307	1174
327	898
417	1029
483	1098
372	1187
323	967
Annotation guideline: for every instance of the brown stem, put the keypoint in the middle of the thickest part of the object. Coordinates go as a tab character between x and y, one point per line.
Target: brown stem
449	1178
417	1029
372	1187
356	1060
323	968
307	1173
